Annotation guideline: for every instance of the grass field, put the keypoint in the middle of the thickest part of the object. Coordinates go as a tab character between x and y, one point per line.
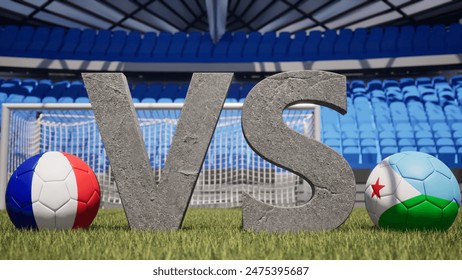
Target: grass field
217	234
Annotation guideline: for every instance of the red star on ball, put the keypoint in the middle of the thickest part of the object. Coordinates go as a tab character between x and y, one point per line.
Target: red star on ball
376	188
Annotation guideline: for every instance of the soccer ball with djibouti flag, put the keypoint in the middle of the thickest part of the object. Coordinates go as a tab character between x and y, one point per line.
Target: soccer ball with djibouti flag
412	190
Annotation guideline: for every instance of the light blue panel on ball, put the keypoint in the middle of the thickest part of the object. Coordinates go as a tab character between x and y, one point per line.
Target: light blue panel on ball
413	167
442	168
440	186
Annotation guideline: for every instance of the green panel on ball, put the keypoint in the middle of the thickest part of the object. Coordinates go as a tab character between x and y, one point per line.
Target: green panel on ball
438	201
414	201
394	217
424	214
449	214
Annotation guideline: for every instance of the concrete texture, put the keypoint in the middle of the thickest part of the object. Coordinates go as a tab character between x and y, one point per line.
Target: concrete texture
329	174
118	124
146	205
199	117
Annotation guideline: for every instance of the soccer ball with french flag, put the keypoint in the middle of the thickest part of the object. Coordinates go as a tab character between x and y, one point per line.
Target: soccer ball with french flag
53	190
412	190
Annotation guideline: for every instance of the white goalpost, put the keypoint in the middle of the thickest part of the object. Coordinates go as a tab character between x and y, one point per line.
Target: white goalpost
230	166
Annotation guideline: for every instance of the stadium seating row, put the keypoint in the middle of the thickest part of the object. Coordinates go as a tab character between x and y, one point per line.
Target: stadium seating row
392	41
384	116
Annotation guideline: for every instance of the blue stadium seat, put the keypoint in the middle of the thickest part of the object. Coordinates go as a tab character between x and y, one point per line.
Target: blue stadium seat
312	45
131	46
191	47
393	93
8	87
23	39
102	41
181	94
245	90
368	142
326	46
7	37
234	93
72	92
442	134
357	47
374	85
459	144
146	46
175	50
437	39
408	149
332	142
169	93
440	126
250	50
140	93
236	46
206	47
54	43
388	151
406	142
426	142
281	46
363	110
411	93
352	155
417	112
296	46
388	142
342	44
329	116
369	157
405	41
406	81
83	97
398	112
431	150
421	40
87	41
56	92
374	42
457	126
453	114
38	93
220	49
404	126
117	44
389	41
350	142
434	112
358	87
265	50
70	42
378	95
454	38
29	82
349	131
423	134
448	155
387	134
444	142
369	133
38	42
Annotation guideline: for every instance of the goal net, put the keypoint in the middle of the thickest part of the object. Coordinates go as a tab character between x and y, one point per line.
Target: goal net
230	167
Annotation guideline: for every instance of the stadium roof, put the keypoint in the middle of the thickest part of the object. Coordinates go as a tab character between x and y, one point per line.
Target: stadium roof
218	16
